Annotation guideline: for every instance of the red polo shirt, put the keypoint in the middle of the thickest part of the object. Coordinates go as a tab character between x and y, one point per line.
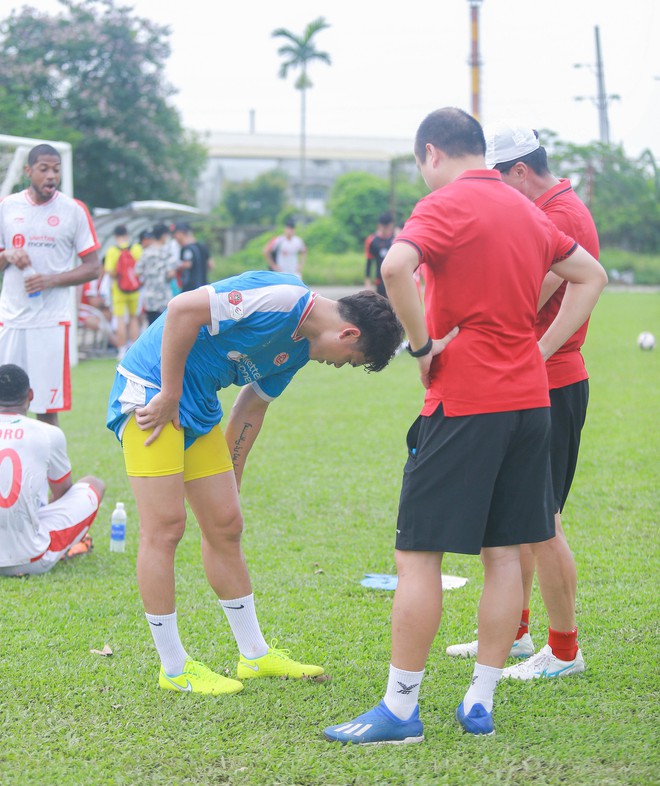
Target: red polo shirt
486	250
567	211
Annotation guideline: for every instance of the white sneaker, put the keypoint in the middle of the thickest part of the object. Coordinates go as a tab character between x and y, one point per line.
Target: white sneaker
545	664
522	648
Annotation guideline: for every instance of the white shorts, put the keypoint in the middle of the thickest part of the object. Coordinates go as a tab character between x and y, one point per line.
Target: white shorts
67	520
43	353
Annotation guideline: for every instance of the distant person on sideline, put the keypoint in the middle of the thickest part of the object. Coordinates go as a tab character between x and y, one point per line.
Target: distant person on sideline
376	247
41	232
286	253
35	534
256	331
156	269
195	259
125	300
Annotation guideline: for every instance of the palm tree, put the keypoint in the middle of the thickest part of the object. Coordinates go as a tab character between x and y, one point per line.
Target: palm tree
297	53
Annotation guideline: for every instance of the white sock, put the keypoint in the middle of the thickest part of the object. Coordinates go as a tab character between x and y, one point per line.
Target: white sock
165	631
244	625
482	687
402	692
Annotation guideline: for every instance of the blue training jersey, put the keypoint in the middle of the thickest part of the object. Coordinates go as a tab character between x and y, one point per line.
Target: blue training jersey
252	340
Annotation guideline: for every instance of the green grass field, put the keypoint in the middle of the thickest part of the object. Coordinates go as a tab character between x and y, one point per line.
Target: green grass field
319	497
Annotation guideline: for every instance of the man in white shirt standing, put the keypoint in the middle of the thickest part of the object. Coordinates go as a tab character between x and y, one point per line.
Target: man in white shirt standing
41	231
36	535
286	253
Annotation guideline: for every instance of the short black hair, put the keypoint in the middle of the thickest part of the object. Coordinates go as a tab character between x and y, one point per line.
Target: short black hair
14	385
452	130
120	230
42	150
181	226
385	218
537	161
380	330
159	230
290	223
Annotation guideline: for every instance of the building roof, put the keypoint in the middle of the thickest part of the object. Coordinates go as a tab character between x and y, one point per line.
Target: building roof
236	145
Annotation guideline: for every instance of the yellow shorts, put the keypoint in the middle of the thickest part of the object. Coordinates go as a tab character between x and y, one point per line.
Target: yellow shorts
125	301
208	455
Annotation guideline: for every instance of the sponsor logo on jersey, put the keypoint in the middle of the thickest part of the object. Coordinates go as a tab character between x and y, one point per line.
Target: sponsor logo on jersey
235	297
53	221
235	355
236	312
18	241
280	359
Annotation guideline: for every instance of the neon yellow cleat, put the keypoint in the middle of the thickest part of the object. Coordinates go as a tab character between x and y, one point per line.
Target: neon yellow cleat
276	663
198	678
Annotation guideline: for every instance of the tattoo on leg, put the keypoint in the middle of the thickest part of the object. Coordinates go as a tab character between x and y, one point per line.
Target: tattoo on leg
237	444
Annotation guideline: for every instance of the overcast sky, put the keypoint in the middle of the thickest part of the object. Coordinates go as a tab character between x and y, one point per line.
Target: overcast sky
392	63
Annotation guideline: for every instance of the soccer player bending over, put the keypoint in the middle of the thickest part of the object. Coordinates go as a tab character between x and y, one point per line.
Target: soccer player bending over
256	331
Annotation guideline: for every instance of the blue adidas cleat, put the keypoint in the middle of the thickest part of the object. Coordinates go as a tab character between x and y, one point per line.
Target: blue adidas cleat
477	721
378	727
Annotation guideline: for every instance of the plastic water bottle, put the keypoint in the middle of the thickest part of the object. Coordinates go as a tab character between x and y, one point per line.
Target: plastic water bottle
118	528
29	272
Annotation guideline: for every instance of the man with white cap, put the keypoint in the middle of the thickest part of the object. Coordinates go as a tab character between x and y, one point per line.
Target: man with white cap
515	151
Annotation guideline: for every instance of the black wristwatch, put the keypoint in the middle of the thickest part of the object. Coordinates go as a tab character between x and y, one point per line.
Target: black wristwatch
419	353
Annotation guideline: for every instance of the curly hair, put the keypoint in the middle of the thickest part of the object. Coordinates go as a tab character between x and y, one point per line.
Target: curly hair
380	330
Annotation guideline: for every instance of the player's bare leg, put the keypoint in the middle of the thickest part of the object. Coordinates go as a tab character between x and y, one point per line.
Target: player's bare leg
557	577
527	568
417	607
162	515
500	604
214	501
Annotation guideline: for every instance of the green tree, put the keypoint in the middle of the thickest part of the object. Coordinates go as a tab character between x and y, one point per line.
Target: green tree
92	75
623	194
358	198
298	52
258	201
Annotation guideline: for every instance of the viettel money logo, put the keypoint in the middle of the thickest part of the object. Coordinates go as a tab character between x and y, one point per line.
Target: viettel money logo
18	241
280	359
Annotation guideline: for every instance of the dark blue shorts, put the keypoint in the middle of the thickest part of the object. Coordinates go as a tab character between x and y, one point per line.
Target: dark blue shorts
476	481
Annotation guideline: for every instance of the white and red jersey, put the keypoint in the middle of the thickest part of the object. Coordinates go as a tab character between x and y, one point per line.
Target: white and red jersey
31	454
52	234
287	251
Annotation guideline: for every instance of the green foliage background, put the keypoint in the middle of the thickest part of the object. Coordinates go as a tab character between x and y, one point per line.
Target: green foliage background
91	75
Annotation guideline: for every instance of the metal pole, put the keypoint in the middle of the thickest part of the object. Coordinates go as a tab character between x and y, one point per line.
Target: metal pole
601	100
475	61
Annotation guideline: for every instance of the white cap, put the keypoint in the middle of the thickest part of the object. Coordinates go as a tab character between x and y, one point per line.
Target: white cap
507	141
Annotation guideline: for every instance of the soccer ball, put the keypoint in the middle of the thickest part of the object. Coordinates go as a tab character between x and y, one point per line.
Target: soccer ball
646	341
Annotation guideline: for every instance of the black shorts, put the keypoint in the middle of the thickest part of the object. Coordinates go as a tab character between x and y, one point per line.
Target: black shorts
568	411
476	481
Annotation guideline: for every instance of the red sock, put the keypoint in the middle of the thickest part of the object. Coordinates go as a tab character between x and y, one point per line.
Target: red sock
563	645
524	624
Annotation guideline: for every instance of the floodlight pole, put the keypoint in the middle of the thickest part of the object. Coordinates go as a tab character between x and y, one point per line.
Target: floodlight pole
601	101
475	60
